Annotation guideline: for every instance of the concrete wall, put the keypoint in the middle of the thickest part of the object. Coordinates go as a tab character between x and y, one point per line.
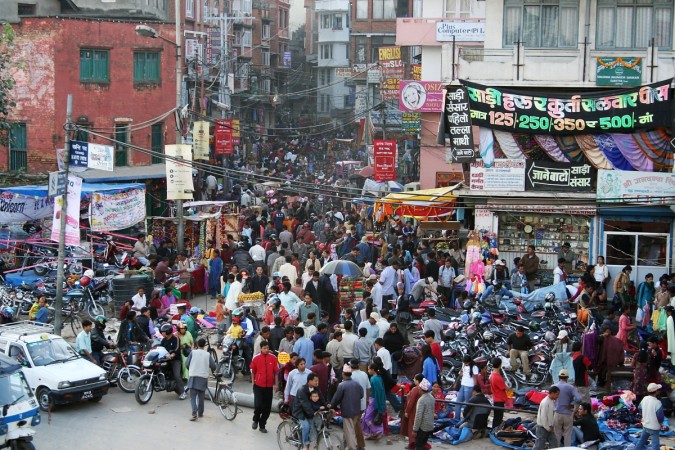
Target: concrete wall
49	50
9	8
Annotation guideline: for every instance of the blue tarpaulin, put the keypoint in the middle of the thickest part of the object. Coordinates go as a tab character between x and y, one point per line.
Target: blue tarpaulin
87	189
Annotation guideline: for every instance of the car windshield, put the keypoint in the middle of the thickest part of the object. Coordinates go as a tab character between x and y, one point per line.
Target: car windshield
50	351
13	388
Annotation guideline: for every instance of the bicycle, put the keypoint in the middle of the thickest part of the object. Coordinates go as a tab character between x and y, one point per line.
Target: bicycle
69	316
225	398
289	434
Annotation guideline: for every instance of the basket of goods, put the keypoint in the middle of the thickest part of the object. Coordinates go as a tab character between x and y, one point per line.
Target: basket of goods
251	298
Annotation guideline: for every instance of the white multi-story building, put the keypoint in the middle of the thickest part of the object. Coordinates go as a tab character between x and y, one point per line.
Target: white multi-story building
332	50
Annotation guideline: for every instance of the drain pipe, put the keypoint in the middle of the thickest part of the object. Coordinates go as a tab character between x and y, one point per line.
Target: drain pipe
587	32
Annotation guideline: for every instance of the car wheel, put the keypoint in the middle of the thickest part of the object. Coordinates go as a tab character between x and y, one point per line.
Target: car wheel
44	398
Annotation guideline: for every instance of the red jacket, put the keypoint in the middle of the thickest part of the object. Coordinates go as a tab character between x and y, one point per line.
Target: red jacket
264	367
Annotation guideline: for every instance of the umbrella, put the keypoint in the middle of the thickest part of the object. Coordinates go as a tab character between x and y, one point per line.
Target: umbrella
367	171
340	267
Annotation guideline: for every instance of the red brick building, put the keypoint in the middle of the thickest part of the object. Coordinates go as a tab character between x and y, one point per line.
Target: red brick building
119	81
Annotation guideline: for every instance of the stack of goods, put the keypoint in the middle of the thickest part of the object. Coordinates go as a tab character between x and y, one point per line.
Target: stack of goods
255	301
349	292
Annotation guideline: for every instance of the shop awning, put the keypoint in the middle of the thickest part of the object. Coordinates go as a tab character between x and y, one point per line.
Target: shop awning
513	206
427	204
130	173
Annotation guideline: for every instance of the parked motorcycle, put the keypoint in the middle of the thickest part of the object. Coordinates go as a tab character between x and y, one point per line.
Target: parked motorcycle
126	375
157	375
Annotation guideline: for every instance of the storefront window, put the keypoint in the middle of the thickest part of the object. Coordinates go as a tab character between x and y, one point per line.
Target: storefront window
652	250
620	249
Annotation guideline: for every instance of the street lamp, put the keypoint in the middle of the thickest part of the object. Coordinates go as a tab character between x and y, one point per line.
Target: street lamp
146	31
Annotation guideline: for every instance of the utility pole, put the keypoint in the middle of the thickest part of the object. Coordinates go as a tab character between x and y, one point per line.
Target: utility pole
180	227
60	275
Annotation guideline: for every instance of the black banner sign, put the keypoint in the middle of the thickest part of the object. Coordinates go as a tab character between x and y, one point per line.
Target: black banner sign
618	111
457	125
551	176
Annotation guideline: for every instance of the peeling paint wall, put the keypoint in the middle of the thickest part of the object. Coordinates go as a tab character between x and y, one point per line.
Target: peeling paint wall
47	53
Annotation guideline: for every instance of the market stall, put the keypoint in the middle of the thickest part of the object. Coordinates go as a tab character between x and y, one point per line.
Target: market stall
427	204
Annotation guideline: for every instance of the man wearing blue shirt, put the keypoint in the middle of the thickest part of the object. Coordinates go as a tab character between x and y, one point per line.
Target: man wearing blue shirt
83	340
371	326
303	347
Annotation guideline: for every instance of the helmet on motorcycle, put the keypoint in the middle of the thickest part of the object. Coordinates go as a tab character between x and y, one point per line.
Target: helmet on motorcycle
550	297
166	328
476	316
89	273
237	313
7	312
488	336
100	320
533	326
85	281
549	337
450	335
468	304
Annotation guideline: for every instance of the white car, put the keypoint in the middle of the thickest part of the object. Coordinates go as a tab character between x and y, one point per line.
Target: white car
53	369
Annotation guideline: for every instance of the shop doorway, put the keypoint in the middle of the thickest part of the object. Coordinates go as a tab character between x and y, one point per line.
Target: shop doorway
645	252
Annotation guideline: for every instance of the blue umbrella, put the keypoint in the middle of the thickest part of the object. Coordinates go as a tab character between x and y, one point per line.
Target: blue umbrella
344	268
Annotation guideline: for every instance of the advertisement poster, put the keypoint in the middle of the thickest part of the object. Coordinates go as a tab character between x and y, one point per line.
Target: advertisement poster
15	208
384	155
458	135
504	175
72	230
179	184
622	111
223	137
200	140
391	72
621	71
236	132
108	212
551	176
656	188
101	157
421	96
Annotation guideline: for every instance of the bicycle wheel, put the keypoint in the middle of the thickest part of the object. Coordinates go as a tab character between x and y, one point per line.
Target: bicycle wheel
75	324
227	402
285	437
327	442
127	378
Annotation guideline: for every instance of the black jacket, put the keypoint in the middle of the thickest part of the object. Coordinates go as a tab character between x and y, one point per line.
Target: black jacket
144	324
302	405
258	283
129	332
393	342
98	340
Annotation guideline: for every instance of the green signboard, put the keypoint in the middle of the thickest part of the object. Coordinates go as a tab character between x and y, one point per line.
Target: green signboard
410	122
619	71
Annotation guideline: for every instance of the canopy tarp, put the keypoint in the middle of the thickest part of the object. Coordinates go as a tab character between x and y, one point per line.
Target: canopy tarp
438	203
87	189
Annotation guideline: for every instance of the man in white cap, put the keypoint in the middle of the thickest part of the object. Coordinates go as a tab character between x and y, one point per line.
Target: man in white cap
562	343
652	417
370	325
424	416
564	409
376	292
348	399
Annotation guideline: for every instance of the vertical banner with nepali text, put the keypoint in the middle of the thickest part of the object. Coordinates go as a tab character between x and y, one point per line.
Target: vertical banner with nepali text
200	140
384	156
179	185
223	137
72	212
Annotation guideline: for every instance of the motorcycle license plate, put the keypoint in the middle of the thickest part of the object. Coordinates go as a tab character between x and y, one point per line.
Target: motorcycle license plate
87	395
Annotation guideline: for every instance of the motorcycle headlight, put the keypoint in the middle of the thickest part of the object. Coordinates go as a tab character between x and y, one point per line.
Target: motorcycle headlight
19	295
103	377
64	384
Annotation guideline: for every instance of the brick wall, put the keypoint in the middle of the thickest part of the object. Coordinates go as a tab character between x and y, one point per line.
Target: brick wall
48	53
